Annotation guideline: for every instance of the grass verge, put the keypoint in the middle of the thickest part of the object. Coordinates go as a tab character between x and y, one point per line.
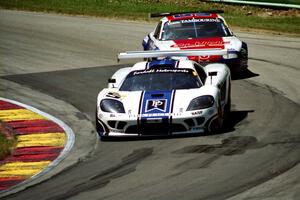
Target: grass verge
296	2
240	16
7	141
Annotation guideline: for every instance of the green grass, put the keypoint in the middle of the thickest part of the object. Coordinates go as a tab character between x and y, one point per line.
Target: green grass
281	24
245	17
297	2
6	144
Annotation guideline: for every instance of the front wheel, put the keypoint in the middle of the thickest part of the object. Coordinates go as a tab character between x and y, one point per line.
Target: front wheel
216	124
100	127
227	107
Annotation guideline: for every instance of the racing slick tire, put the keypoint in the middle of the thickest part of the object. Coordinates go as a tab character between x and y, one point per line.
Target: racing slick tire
242	65
227	107
100	128
244	58
216	125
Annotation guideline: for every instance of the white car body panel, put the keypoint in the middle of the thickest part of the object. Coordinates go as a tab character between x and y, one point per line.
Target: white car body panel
238	62
173	118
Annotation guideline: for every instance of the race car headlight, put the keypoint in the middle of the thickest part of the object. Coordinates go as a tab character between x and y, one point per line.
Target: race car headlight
201	102
112	106
230	55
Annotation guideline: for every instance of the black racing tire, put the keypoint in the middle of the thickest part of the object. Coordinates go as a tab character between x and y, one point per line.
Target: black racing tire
244	58
97	125
242	66
227	107
216	124
100	127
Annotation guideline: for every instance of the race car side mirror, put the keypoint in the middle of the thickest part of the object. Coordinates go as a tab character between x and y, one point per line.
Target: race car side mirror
111	80
212	73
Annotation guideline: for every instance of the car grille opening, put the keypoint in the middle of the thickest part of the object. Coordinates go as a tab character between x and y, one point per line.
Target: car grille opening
112	123
200	120
156	129
190	122
117	124
121	125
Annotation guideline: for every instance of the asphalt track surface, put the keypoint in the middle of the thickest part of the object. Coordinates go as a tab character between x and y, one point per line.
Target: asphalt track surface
69	59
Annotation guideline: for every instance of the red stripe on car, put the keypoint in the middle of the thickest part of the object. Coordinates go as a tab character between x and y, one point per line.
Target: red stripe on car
201	43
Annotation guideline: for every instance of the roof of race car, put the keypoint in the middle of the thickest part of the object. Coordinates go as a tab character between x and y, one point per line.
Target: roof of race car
163	63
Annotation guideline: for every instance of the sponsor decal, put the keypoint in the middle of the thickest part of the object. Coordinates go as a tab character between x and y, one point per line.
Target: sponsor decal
156	104
196	128
155	115
200	20
114	95
199	112
183	15
194	15
152	106
201	43
144	72
149	71
203	14
203	58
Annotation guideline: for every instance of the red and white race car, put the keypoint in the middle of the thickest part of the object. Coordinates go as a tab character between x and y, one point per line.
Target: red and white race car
199	30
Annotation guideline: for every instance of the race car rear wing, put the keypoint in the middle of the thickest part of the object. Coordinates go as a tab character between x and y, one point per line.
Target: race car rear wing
172	53
151	15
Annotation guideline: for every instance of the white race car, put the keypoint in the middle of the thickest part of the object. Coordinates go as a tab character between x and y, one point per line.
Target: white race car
164	96
199	30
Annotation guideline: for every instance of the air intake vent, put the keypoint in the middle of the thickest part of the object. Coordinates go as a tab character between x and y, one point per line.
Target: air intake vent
121	125
157	95
112	124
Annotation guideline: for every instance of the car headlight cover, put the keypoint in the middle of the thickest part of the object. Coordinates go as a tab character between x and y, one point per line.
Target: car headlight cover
112	106
230	56
201	102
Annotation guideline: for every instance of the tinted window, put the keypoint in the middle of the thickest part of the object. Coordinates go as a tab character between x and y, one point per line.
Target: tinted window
201	72
161	79
195	28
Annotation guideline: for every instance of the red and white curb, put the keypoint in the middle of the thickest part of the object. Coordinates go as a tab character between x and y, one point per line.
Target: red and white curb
42	142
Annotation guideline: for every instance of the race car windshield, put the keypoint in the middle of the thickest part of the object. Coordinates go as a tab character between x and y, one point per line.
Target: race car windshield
194	28
161	79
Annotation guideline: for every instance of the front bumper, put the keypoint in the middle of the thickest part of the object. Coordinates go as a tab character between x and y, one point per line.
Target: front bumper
192	122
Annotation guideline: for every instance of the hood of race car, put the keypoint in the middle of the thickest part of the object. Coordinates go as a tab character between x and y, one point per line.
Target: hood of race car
155	103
